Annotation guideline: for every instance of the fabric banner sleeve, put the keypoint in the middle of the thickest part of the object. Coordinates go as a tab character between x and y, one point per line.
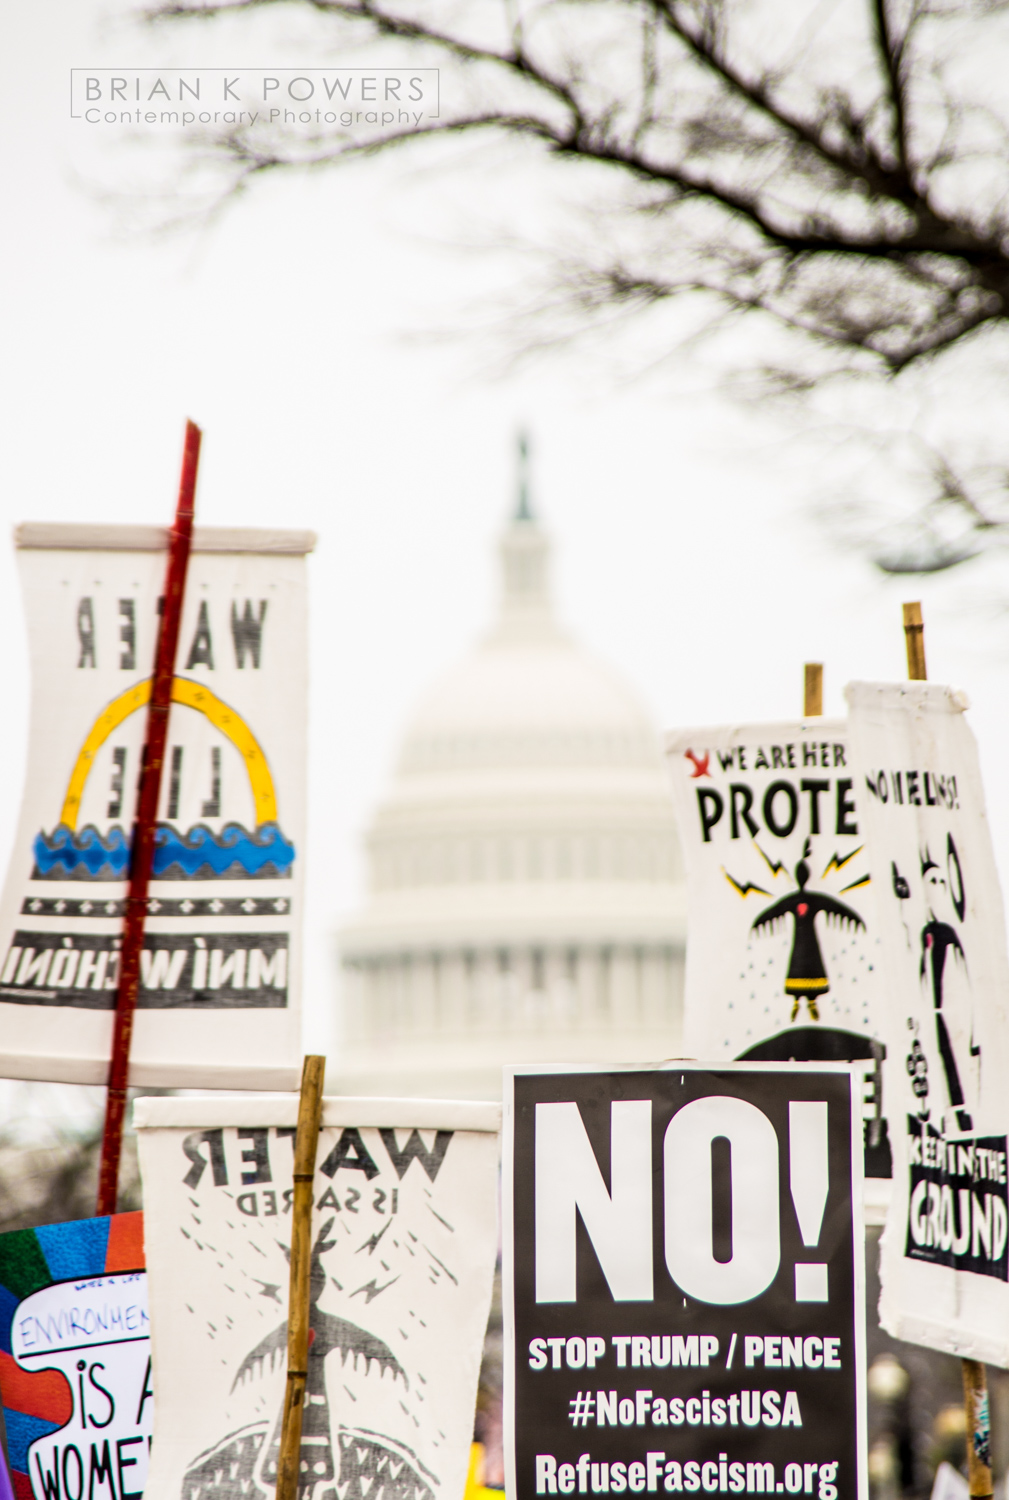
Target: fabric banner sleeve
945	1259
219	1001
404	1243
782	954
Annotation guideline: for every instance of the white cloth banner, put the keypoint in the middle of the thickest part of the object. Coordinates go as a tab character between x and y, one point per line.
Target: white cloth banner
219	1002
404	1237
779	939
939	912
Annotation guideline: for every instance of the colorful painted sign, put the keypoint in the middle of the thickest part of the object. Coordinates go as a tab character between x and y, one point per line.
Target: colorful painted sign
219	998
75	1368
404	1239
938	909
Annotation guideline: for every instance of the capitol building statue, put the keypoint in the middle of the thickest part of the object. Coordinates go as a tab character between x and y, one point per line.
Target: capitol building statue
526	900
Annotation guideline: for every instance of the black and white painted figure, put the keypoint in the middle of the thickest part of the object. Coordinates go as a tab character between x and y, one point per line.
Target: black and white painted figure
941	950
947	990
338	1462
806	978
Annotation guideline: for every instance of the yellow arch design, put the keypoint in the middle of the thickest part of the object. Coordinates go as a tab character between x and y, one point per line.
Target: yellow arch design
191	695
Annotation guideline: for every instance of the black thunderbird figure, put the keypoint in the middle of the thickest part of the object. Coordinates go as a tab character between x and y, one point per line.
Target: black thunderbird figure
807	975
337	1459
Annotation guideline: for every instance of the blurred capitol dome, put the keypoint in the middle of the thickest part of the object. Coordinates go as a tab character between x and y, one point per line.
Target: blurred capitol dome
526	898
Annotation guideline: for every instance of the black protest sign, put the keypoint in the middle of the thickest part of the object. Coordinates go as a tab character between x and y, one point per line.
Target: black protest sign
958	1210
684	1300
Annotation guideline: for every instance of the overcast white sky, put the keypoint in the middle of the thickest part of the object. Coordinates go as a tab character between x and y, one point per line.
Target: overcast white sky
686	554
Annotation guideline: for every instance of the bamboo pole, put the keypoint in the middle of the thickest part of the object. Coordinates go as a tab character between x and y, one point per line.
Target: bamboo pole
914	636
306	1144
975	1382
145	826
812	693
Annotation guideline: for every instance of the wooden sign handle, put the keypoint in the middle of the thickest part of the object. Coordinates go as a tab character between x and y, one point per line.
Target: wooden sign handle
975	1383
812	690
975	1400
306	1144
914	636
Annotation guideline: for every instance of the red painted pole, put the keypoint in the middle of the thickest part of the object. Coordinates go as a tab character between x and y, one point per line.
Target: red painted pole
145	825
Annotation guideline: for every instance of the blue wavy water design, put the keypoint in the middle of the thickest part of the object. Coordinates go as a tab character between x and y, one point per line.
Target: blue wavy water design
199	854
80	855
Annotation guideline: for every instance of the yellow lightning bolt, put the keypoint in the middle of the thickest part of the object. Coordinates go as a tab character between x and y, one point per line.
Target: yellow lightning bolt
775	869
744	890
837	863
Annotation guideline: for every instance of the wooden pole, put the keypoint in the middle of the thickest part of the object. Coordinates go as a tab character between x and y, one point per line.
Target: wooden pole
975	1400
914	636
812	696
306	1143
975	1383
145	825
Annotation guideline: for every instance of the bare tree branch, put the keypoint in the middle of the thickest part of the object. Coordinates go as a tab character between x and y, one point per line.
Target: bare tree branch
831	187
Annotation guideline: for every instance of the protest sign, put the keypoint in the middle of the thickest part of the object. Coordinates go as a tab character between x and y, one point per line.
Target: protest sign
75	1362
944	1263
219	1000
777	875
404	1242
683	1281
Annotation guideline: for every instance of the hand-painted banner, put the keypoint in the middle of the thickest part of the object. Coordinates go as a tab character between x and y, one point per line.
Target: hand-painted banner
782	958
945	1261
75	1366
219	1001
404	1241
683	1281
